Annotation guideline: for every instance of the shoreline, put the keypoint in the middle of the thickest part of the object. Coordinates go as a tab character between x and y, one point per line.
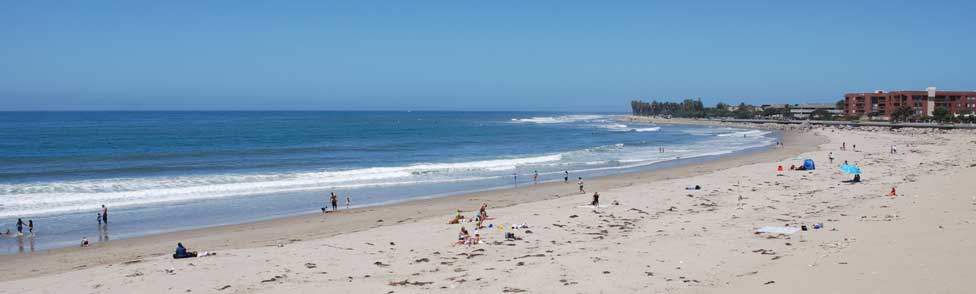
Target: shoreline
316	226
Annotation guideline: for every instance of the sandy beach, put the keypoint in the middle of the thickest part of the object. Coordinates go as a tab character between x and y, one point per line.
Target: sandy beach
653	235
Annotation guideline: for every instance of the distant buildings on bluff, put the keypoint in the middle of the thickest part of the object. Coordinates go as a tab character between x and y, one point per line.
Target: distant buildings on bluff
916	106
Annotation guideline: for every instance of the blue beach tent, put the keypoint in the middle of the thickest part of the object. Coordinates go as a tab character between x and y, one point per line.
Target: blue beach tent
808	165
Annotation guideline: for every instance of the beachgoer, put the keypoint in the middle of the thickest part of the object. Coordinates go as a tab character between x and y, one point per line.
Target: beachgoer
893	149
30	226
348	202
580	182
854	146
843	146
792	167
483	210
7	232
84	241
20	226
104	214
335	201
535	178
463	234
99	218
565	176
596	199
182	253
845	162
515	177
830	156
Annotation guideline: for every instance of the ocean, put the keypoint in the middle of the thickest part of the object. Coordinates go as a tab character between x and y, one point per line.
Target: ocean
167	171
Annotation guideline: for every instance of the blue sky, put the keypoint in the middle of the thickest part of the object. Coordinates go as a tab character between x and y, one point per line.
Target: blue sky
471	55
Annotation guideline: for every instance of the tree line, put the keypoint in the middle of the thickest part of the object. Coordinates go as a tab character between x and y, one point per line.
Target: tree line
691	108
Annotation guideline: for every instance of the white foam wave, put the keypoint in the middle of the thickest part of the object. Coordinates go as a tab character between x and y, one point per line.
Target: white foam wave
559	119
749	133
74	196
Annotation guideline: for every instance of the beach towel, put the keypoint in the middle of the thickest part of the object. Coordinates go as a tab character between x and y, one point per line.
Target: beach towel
778	230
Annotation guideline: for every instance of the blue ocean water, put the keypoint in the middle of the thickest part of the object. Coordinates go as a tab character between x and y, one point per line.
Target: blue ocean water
166	171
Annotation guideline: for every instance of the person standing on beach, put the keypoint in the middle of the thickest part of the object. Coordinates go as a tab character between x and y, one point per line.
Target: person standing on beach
99	218
335	201
596	199
348	202
893	149
580	182
535	178
104	214
843	146
30	226
20	226
830	156
566	176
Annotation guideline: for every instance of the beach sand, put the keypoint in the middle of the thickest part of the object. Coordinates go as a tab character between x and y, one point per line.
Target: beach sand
658	237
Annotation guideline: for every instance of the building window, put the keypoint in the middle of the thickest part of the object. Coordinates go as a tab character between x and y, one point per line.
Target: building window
971	98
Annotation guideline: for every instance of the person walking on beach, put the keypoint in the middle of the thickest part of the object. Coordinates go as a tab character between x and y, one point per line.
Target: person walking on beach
566	176
20	226
104	214
30	226
830	156
535	178
335	201
580	182
843	146
596	199
348	202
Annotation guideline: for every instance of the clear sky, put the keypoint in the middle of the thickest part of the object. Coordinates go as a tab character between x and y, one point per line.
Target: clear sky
472	55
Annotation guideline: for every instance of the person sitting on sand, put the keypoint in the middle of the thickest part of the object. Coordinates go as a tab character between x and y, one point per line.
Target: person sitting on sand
483	210
457	218
792	167
182	253
596	199
696	187
463	237
84	241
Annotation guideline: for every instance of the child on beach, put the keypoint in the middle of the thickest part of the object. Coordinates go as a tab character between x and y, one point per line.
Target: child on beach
565	176
596	199
580	182
84	241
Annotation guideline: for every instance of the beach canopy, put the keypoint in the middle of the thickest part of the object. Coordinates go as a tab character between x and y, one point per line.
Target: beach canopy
850	169
809	165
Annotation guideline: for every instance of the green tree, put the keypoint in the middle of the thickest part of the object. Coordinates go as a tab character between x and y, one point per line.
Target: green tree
902	113
840	104
942	115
